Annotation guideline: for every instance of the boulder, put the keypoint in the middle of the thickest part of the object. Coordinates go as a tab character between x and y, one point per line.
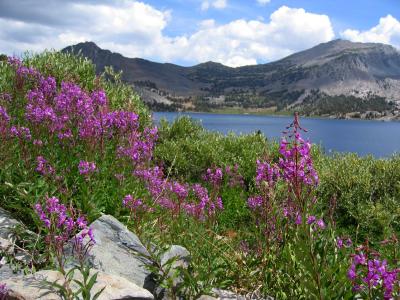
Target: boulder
36	286
6	271
172	259
7	224
179	258
119	252
6	246
228	295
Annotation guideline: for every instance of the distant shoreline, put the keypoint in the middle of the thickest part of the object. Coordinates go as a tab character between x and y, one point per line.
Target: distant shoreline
284	114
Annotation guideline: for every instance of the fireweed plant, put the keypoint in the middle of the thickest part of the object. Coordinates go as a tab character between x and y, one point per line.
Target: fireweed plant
257	220
3	291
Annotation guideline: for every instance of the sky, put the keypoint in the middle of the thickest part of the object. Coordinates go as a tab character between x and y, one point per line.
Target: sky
188	32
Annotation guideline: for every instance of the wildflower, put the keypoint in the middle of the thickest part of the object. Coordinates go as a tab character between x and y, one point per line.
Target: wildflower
81	222
3	291
320	223
4	120
22	133
266	173
86	167
311	219
339	243
131	203
298	219
43	167
351	274
214	176
38	142
61	224
99	97
254	202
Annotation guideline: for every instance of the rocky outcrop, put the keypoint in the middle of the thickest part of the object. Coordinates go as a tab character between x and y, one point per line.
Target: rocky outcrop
120	259
37	286
172	261
7	224
119	252
7	245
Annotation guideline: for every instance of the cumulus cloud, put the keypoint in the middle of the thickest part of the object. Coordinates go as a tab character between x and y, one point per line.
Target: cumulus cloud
136	29
124	22
218	4
263	2
387	32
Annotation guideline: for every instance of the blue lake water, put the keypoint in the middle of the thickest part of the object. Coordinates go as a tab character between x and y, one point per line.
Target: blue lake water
381	139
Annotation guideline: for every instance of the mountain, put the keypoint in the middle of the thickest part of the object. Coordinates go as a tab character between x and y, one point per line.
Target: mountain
337	77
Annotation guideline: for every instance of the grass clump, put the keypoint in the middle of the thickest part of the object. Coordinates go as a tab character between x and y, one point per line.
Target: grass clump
259	217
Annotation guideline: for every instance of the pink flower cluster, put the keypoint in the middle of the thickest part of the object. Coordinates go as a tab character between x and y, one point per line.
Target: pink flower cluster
62	224
139	146
373	274
86	167
316	223
296	163
213	176
343	242
134	204
193	199
23	133
43	167
68	112
296	169
235	178
3	291
266	174
4	121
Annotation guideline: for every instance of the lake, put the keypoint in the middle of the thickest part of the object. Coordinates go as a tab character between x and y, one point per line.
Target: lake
381	139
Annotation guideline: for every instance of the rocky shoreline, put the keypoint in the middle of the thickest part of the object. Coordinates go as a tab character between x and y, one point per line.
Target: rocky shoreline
119	257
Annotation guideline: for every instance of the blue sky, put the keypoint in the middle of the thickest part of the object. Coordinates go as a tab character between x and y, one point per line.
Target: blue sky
343	13
187	32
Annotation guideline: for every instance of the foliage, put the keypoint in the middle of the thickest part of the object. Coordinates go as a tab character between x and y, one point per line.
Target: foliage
259	217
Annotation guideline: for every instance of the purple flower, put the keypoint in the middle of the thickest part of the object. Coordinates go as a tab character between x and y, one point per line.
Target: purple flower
3	291
86	168
298	219
81	222
43	167
266	173
214	176
99	97
131	203
320	223
4	120
351	274
23	133
339	243
255	202
360	259
311	220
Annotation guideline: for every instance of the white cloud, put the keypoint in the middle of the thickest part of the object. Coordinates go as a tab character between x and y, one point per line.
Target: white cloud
136	29
263	2
131	26
243	42
387	31
218	4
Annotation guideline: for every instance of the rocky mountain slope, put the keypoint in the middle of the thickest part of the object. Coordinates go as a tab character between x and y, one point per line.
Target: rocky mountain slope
335	77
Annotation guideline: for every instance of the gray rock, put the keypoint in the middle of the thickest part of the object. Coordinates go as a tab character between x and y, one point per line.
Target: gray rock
35	287
119	252
179	256
172	259
6	246
207	297
228	295
7	224
6	272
